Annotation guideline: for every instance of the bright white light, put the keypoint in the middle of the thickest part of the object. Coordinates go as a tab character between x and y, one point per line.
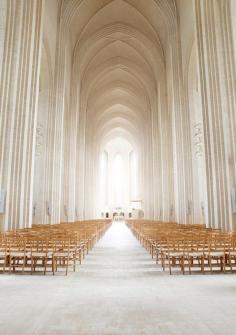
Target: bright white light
133	175
103	179
119	180
117	184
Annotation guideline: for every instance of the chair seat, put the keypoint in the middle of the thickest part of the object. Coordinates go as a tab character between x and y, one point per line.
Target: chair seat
216	253
175	254
231	253
41	254
62	254
196	254
3	253
18	254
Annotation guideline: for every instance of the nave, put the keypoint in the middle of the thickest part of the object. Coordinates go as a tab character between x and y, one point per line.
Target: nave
109	109
118	289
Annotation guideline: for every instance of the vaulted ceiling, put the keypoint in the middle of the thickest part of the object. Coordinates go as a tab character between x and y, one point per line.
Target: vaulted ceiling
118	60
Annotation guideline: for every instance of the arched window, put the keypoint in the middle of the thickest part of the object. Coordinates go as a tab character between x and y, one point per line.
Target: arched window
133	175
103	179
118	178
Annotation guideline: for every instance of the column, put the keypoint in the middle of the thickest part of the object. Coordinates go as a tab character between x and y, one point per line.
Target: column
18	105
217	81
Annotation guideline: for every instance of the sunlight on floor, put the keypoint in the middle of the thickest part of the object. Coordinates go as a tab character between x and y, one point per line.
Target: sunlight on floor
118	236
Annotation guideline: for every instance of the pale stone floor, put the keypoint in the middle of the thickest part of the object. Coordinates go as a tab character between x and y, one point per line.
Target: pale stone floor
118	291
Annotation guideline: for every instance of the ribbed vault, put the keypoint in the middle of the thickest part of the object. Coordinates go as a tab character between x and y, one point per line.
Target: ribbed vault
118	64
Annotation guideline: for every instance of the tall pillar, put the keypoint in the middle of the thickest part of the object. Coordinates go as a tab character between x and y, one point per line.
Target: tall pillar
165	158
3	19
72	186
217	81
57	209
80	162
18	106
157	159
181	134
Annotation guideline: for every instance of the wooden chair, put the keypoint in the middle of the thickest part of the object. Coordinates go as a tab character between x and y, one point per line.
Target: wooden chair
217	256
41	253
195	255
173	255
63	257
3	256
231	255
190	247
49	248
17	256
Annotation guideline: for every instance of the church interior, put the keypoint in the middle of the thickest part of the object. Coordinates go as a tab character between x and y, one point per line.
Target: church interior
117	167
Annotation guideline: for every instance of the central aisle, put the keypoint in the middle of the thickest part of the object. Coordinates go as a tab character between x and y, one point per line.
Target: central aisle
118	290
118	236
118	254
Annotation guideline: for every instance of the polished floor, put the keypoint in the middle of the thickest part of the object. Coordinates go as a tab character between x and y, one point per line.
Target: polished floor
118	291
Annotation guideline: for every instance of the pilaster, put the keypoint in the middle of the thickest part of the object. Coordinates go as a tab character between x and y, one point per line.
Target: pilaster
18	104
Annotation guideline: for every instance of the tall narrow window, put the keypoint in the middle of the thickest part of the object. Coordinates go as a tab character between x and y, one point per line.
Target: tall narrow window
133	175
103	179
118	179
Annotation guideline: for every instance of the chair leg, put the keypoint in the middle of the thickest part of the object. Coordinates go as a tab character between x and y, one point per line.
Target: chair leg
23	266
202	264
4	265
45	265
32	265
156	256
53	266
224	262
169	265
210	263
182	264
230	265
189	265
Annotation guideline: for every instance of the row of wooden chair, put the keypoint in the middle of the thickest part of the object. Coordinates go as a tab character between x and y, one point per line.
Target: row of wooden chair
49	248
188	248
